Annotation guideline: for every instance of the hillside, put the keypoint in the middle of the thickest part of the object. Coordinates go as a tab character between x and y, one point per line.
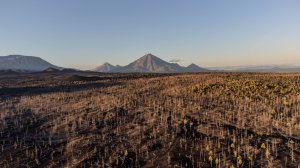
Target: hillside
152	64
25	63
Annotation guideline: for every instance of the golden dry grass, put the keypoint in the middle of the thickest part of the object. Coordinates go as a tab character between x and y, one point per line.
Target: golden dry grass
182	120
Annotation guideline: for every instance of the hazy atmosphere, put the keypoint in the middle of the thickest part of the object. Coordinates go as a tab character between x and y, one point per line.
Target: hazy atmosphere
84	34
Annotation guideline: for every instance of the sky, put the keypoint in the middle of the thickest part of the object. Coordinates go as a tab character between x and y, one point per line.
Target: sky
211	33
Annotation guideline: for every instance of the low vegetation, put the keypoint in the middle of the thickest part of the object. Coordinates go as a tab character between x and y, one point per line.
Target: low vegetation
136	120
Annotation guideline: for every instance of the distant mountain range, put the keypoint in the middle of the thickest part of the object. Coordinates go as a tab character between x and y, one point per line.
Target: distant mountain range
22	63
195	68
150	64
259	68
14	64
106	67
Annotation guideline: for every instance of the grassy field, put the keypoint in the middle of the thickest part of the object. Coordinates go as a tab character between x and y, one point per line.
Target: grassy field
150	120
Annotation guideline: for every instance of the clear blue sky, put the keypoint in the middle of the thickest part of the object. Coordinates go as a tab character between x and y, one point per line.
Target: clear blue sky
87	33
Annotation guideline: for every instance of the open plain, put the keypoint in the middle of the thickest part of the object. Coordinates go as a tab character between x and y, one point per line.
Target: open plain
85	119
